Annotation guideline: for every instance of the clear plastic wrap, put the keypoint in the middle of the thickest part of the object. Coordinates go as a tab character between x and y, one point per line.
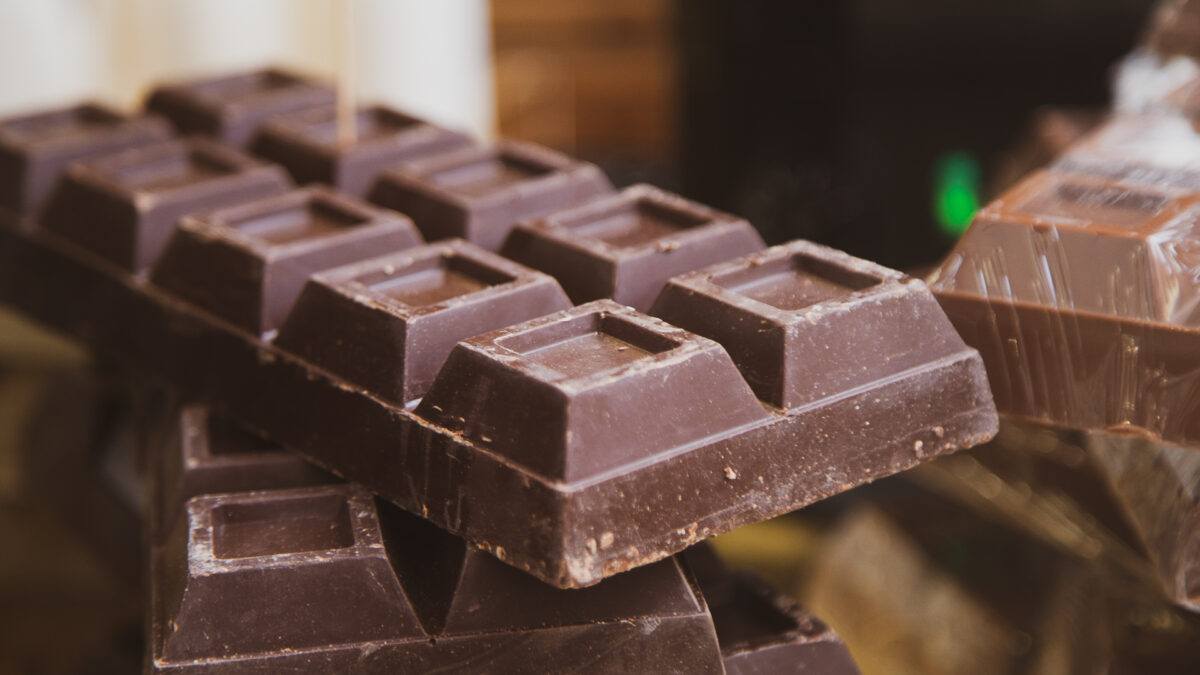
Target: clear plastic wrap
1080	286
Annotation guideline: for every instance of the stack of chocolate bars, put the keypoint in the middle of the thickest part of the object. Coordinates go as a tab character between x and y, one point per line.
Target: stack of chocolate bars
448	406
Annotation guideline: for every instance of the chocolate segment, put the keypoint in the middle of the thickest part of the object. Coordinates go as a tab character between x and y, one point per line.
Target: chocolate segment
479	194
797	320
122	207
247	263
1076	292
625	247
566	396
205	453
388	323
36	149
306	144
230	109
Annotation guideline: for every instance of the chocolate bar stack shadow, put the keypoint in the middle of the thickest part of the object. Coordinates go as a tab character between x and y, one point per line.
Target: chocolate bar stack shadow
705	382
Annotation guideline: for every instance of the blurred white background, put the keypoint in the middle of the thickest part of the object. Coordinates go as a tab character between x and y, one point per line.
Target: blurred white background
430	57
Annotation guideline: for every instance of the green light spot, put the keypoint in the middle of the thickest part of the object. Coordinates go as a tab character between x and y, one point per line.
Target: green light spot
956	192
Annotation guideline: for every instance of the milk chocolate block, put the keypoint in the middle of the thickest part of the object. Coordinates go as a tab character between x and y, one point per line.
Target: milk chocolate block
35	149
1158	150
566	396
761	630
626	246
1079	295
205	453
123	207
1158	488
230	109
798	319
306	144
323	579
478	194
247	263
387	324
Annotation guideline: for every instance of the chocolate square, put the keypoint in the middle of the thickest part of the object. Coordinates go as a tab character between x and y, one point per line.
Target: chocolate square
123	206
246	570
232	108
387	324
584	392
804	322
479	194
306	144
36	149
626	246
247	263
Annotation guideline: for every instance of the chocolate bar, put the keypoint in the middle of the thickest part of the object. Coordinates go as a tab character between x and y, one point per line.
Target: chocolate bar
627	246
1076	290
480	193
760	630
1157	486
35	149
306	144
1160	150
321	578
134	198
231	109
575	445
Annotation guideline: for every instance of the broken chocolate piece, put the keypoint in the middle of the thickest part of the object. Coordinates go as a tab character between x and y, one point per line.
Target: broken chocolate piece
247	263
123	207
388	323
36	149
479	194
231	109
307	145
626	246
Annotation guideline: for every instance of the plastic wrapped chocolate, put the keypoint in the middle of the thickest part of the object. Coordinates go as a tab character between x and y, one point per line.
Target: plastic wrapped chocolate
1077	285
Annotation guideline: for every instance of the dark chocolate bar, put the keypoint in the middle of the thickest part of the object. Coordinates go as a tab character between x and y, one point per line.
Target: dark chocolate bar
232	108
574	446
133	199
479	194
1077	291
1158	487
247	263
626	246
326	578
35	149
306	144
